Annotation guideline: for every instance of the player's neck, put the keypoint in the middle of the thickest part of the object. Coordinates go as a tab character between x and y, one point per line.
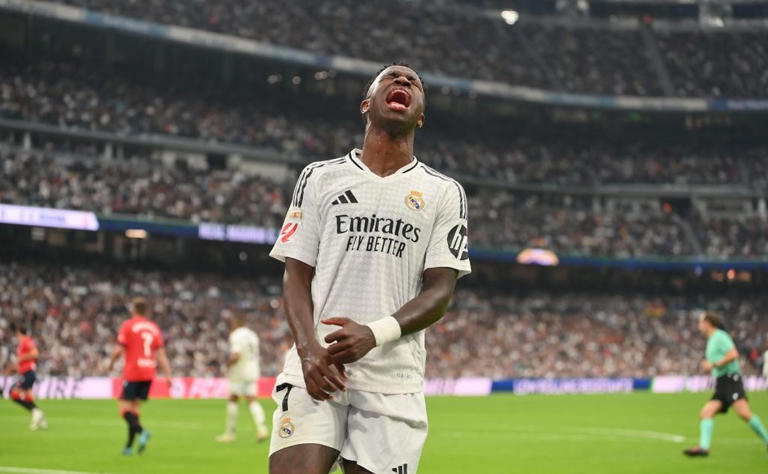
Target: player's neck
383	153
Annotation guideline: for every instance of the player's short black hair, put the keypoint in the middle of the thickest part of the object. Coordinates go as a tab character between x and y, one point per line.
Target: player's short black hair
382	69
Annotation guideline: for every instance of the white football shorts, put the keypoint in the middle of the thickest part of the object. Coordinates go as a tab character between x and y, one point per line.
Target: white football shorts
380	432
242	388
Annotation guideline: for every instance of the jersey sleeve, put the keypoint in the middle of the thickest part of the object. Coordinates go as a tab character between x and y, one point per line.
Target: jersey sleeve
26	346
449	245
765	364
725	342
300	234
236	344
158	341
122	335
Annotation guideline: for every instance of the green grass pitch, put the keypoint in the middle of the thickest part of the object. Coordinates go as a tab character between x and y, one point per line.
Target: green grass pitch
637	433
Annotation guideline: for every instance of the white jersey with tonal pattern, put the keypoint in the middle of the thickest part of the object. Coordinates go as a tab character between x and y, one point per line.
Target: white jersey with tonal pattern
244	342
765	365
370	239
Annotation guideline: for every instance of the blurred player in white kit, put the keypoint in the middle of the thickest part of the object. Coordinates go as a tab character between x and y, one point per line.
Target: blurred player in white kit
244	373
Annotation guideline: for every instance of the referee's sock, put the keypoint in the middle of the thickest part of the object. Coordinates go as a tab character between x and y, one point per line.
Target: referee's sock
706	427
757	427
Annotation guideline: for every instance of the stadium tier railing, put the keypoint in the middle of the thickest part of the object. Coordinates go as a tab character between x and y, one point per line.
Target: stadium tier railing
365	68
153	141
149	140
89	221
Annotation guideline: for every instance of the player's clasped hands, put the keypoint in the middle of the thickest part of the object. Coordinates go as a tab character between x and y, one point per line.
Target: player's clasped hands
322	374
351	342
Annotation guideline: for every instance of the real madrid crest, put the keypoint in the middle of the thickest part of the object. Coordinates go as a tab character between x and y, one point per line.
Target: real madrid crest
286	427
415	201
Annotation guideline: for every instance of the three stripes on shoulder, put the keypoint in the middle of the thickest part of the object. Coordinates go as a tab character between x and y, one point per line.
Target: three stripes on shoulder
346	198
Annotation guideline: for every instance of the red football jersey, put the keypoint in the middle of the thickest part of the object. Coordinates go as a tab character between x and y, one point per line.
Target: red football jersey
25	347
141	338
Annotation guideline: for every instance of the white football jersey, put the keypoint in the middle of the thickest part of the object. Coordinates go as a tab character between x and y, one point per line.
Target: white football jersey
245	342
765	365
369	239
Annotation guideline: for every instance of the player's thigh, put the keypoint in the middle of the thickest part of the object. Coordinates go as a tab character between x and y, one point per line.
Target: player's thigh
303	459
711	408
351	467
385	433
300	420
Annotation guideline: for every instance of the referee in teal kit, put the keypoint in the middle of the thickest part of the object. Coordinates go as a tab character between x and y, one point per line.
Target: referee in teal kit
722	359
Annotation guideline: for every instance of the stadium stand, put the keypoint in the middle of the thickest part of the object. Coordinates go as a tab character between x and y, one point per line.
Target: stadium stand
443	38
486	333
501	219
65	94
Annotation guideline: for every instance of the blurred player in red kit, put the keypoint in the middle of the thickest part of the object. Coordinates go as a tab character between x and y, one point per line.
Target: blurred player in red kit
26	359
141	342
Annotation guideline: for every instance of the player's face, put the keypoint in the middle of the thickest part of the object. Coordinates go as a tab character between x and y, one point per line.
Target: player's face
703	325
395	100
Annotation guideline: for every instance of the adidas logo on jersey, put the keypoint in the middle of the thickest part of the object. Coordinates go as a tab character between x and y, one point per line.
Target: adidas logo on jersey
346	198
401	469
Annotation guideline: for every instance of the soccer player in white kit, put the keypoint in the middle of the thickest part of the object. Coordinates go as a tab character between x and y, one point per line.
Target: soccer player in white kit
765	365
244	373
373	244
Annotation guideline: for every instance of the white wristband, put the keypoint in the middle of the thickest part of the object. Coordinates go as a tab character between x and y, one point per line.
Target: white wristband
385	330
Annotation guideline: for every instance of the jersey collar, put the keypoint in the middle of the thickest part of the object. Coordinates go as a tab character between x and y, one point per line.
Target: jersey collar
354	158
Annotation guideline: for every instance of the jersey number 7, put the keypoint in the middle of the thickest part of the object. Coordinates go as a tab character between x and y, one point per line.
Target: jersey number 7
147	343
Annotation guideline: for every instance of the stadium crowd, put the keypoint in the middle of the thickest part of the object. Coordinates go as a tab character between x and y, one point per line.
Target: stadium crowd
572	225
585	335
444	38
75	313
140	185
67	95
500	219
717	64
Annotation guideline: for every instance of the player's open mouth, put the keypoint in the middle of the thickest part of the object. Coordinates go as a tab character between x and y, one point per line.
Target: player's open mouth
398	99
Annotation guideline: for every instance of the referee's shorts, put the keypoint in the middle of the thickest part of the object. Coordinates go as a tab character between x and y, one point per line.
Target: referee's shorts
729	388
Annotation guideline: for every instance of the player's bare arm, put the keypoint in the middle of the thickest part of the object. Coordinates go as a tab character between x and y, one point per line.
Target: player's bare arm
353	340
233	358
164	365
116	354
730	356
321	374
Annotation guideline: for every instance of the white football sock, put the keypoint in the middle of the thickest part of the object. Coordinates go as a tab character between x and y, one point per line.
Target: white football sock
257	412
231	416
